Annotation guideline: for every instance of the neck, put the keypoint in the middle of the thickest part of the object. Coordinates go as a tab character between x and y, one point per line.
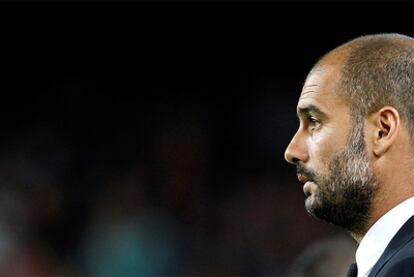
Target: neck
381	206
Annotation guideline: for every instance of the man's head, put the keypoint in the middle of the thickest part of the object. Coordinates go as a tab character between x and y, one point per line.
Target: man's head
356	114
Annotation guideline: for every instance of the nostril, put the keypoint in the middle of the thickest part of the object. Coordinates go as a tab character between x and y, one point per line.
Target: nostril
291	158
295	160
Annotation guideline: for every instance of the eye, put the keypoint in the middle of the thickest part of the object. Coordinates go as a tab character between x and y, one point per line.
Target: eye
314	123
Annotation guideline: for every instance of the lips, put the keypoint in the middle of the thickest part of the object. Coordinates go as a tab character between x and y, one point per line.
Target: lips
302	178
307	189
306	184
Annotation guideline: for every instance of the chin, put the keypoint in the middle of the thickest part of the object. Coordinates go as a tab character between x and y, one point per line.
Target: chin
314	206
310	203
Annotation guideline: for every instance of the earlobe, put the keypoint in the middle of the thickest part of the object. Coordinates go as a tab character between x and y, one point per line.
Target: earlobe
386	128
379	149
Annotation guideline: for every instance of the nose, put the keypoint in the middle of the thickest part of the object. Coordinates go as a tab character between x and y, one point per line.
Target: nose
297	150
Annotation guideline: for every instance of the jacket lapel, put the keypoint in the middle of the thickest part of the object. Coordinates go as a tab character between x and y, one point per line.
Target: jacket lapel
399	240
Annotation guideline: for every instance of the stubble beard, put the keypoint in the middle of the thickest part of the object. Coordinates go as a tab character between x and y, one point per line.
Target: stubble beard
344	196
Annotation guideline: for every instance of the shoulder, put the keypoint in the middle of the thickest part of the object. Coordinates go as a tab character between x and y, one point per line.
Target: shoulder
402	263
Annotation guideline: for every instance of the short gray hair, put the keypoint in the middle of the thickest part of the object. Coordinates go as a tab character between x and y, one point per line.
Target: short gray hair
378	70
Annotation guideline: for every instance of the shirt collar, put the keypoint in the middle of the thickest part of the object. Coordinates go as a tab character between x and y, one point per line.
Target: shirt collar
380	234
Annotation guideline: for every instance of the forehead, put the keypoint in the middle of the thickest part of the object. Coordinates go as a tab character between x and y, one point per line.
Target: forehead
320	89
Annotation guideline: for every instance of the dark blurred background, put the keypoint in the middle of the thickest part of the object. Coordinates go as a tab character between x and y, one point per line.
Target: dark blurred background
147	138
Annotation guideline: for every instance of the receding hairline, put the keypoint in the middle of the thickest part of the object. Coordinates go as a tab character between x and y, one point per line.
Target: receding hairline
339	56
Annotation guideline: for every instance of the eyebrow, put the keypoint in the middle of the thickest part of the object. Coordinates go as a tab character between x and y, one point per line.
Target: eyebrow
311	109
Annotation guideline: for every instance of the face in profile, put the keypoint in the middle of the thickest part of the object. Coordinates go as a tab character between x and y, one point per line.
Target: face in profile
330	155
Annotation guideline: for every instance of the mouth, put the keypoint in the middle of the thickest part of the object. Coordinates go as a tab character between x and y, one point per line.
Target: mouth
302	178
307	183
307	188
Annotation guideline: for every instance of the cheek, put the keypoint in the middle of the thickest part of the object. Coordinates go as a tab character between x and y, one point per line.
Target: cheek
322	147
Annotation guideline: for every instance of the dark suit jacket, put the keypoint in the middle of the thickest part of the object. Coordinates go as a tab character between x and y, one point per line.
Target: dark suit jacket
398	257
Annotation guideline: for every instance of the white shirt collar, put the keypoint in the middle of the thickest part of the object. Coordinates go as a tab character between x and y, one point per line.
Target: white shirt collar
380	234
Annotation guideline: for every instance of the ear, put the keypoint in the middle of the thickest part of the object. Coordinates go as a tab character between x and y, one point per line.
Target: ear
386	123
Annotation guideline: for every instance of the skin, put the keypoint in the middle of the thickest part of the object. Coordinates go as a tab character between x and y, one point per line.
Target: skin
314	143
325	125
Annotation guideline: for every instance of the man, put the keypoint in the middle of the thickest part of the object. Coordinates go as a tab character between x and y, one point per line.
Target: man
354	149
